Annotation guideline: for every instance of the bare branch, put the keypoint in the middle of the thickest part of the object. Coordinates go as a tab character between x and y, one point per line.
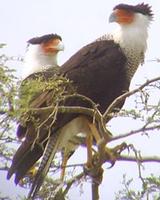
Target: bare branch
144	159
125	95
70	182
5	168
140	130
95	191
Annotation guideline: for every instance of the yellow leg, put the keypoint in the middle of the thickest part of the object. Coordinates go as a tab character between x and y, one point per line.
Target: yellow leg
89	141
63	166
94	132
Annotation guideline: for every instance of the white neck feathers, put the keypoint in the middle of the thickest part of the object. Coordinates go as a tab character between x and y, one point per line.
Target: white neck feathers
133	36
36	60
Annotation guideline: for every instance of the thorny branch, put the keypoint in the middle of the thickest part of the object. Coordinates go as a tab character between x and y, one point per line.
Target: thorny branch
96	113
144	159
103	154
119	157
134	132
68	184
127	94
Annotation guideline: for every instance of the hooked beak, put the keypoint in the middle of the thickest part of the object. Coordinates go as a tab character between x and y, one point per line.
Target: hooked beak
113	17
60	46
53	46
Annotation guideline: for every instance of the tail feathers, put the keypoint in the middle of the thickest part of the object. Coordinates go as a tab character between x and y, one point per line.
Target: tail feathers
30	160
21	131
18	158
23	160
48	155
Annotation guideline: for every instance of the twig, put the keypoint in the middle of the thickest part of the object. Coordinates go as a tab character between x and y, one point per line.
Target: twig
79	110
125	95
95	190
101	119
144	159
139	163
58	193
66	109
70	182
140	130
84	98
4	168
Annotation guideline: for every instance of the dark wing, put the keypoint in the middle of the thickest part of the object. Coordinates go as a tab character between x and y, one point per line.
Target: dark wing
98	72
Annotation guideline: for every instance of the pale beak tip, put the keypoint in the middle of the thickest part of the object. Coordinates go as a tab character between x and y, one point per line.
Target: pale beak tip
112	18
60	46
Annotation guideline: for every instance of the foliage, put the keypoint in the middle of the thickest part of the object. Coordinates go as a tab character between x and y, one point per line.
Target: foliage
150	189
11	108
8	93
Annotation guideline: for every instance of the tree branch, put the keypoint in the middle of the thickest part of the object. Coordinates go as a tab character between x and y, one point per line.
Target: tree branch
134	132
125	95
5	168
105	154
143	159
70	182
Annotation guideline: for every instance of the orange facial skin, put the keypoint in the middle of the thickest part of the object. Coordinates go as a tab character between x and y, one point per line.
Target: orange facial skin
50	46
124	16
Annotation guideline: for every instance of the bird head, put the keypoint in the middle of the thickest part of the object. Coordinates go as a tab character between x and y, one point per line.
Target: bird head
49	44
42	53
125	14
133	23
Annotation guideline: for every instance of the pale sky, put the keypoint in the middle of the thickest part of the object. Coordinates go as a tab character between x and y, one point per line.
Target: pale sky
78	23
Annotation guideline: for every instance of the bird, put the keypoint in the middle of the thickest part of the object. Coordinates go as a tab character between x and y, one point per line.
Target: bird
41	55
101	71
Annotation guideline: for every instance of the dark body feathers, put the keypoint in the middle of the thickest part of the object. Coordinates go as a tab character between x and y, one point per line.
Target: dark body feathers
98	71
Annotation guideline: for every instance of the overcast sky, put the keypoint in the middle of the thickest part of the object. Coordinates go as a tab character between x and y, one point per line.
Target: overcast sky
78	23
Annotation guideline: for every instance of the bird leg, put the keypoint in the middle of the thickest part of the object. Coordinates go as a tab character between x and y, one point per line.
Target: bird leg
101	144
95	132
89	141
110	154
65	158
83	126
119	148
102	149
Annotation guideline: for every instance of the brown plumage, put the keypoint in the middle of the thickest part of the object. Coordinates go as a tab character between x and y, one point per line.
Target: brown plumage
101	71
78	69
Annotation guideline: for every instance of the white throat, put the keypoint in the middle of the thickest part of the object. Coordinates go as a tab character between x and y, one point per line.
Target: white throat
134	35
36	60
132	39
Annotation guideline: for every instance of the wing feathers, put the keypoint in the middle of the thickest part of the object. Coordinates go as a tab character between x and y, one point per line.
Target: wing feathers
94	71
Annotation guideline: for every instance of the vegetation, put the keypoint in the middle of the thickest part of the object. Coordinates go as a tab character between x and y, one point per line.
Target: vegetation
11	108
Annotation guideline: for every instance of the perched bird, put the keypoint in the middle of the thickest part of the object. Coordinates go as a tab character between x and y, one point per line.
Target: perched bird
102	71
41	56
